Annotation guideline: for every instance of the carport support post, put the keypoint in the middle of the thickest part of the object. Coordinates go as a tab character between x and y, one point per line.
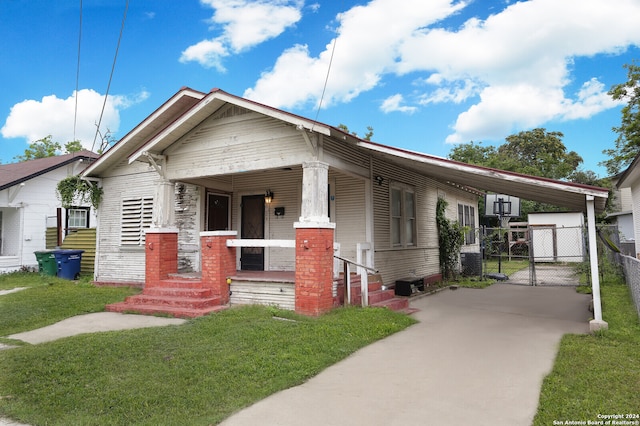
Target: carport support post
597	323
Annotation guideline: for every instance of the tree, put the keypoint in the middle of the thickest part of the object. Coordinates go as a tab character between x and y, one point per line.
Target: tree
73	146
627	145
471	153
535	152
367	136
41	148
539	153
46	147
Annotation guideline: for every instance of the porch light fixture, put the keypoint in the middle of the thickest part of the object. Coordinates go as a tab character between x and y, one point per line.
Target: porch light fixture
379	179
268	196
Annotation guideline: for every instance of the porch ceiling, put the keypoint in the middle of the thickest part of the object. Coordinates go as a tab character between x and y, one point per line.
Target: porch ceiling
564	194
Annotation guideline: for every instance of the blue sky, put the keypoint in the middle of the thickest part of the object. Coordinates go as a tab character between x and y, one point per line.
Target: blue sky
424	74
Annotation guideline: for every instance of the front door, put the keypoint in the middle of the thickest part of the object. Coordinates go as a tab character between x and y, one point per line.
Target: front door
217	212
252	258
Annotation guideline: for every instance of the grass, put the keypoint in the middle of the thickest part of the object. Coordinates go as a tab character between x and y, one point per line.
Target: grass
203	370
598	373
47	300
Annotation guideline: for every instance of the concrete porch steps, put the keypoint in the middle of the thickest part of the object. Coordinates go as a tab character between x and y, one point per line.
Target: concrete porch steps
177	297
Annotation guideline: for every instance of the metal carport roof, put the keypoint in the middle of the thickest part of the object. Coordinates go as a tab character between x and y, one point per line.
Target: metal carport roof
564	194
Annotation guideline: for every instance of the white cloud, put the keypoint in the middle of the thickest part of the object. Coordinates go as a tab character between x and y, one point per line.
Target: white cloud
366	48
245	24
35	119
514	67
394	103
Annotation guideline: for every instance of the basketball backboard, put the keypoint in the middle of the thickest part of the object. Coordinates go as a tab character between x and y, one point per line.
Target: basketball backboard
501	205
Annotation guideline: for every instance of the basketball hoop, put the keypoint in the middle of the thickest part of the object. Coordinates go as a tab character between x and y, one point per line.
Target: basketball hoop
504	221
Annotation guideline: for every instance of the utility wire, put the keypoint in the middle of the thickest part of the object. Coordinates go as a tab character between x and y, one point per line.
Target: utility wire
326	80
75	111
113	66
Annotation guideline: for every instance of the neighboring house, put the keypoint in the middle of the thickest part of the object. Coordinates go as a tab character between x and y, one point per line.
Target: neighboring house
627	185
28	201
621	216
218	184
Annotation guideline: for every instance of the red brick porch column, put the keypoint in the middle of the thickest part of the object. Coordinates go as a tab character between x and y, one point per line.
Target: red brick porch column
218	261
161	254
314	268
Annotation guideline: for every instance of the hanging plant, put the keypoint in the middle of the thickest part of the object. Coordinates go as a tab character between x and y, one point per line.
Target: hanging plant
73	188
450	239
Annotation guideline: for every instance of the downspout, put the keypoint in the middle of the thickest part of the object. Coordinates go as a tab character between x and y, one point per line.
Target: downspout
597	323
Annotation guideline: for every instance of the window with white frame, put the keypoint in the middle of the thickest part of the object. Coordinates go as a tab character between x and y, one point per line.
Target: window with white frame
467	218
403	215
137	214
77	217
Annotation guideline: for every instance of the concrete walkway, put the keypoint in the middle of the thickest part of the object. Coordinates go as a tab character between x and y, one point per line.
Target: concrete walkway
93	323
476	357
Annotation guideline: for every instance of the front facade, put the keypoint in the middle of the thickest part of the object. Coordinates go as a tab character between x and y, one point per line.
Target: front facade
29	205
266	175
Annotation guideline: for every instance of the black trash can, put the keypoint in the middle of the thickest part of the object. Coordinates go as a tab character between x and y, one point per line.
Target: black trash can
68	263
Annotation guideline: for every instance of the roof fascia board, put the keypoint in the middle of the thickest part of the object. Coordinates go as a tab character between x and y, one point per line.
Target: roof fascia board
113	151
493	173
630	175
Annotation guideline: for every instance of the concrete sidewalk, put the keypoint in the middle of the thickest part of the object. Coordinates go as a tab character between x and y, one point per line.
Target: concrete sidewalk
476	357
93	323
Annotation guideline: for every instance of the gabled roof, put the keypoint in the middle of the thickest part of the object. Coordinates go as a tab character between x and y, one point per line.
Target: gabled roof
630	175
16	173
187	108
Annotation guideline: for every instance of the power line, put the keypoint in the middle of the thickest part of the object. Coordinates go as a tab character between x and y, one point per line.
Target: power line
113	66
326	80
75	111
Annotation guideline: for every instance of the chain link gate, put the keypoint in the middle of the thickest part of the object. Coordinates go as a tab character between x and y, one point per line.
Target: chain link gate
533	254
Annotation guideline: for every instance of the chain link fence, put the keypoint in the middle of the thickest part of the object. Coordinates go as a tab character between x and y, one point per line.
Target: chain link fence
529	255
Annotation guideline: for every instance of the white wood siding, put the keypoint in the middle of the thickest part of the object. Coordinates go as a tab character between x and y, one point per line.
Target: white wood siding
281	295
350	214
421	260
115	263
247	142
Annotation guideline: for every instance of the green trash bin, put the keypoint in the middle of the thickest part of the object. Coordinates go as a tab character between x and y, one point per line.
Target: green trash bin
47	264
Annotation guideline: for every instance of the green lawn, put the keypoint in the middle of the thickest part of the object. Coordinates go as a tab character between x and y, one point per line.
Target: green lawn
203	370
48	300
599	373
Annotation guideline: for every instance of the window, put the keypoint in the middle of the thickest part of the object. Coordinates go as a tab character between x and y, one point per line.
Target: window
137	214
403	215
467	217
77	217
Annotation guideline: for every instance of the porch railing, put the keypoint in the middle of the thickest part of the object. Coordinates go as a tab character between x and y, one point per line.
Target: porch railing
364	260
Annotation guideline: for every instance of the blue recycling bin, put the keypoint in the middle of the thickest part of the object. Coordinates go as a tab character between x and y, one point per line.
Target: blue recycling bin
68	263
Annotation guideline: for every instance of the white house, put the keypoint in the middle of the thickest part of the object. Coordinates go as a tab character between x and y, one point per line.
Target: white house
28	201
225	186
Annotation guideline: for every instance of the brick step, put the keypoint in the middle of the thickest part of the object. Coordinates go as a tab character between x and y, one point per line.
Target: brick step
173	301
380	296
177	283
175	311
395	304
178	292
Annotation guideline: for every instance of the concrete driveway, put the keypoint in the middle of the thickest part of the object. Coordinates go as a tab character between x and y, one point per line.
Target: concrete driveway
476	357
